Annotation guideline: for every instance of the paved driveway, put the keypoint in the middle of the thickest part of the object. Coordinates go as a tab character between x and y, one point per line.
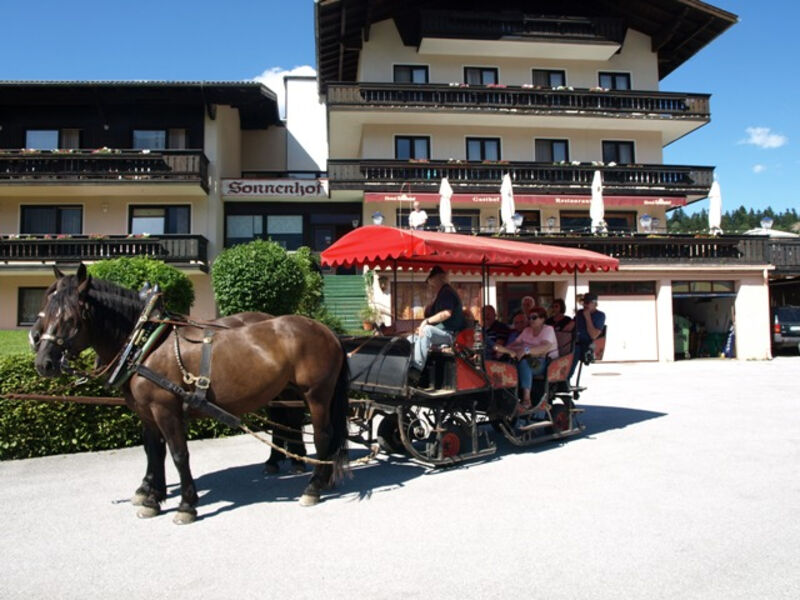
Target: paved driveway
685	485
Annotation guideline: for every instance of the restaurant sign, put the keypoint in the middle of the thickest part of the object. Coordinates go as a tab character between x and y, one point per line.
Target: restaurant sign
275	188
531	199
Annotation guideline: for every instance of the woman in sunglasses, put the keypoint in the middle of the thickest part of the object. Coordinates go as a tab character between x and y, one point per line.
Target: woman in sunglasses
532	348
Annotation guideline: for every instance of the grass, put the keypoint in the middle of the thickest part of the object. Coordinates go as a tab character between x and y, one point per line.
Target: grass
13	342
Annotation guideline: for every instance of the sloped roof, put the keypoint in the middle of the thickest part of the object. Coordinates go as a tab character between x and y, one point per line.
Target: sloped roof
678	28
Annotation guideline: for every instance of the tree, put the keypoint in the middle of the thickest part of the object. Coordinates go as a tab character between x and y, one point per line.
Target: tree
257	276
134	272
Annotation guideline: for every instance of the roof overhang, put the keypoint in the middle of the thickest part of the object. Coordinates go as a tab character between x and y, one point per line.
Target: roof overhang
678	28
257	104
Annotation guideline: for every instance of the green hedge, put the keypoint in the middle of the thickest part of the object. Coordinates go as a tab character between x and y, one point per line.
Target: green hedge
40	428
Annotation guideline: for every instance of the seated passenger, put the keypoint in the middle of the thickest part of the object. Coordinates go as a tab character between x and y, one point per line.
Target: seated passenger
532	348
494	332
527	304
519	321
444	318
563	325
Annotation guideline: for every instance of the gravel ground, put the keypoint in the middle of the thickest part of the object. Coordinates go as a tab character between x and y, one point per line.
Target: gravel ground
684	485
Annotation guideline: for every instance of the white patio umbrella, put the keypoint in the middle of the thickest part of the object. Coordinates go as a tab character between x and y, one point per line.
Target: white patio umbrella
596	208
445	210
507	208
715	209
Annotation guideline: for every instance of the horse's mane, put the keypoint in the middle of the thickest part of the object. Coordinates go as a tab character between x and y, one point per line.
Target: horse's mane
111	308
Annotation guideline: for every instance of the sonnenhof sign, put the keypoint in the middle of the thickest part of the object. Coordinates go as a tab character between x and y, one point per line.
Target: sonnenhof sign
275	188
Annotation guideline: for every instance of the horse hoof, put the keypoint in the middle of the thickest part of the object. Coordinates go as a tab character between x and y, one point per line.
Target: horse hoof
138	498
271	469
148	512
184	518
309	500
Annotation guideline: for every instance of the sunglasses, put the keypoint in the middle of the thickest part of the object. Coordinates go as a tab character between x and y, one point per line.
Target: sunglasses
534	317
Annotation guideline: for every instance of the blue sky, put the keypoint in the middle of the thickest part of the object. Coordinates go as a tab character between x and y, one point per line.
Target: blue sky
752	139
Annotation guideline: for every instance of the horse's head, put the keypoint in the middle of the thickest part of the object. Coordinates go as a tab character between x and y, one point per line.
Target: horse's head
64	322
35	332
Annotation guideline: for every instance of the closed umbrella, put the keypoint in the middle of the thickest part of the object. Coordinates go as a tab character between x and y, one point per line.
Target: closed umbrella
715	209
596	208
445	210
507	208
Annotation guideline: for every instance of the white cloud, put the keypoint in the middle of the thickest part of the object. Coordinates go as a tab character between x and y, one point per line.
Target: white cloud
273	79
759	168
764	138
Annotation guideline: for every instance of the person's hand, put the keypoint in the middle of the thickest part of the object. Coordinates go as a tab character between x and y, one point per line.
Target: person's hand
422	326
521	354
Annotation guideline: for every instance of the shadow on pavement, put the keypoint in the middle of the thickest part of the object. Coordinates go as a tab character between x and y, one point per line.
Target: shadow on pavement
603	418
238	486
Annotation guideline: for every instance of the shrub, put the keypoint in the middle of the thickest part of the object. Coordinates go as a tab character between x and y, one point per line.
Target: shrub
257	276
133	273
312	303
31	428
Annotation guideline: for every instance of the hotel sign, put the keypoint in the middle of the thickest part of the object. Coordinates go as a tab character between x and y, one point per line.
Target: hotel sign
275	188
531	199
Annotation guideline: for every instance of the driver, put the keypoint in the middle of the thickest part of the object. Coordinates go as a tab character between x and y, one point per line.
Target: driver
444	318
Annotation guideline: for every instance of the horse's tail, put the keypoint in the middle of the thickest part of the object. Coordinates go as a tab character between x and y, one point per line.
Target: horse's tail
339	409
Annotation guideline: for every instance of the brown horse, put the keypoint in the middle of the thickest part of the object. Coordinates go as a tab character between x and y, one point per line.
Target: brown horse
251	365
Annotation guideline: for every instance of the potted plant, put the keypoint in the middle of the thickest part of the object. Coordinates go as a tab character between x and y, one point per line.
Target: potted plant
370	316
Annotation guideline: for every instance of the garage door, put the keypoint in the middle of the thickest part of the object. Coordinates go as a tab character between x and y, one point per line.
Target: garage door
632	333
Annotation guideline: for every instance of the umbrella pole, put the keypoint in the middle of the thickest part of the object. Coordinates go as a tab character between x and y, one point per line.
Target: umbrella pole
394	295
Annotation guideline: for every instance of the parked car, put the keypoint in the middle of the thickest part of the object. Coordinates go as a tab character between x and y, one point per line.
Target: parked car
786	327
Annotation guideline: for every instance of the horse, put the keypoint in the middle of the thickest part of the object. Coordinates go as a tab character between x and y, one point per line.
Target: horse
251	365
289	420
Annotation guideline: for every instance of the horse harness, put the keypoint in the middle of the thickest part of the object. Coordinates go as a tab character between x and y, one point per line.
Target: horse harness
149	331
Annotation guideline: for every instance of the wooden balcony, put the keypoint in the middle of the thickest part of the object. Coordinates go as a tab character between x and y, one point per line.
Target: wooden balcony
516	25
21	167
527	177
27	251
517	99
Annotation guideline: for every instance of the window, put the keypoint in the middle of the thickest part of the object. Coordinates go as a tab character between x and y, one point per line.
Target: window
531	220
623	288
41	139
551	150
176	139
618	152
29	302
480	75
465	221
703	287
286	230
149	139
483	148
160	220
549	78
410	74
615	81
52	219
407	147
580	221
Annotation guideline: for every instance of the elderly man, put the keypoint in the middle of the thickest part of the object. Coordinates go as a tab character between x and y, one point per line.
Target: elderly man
444	318
417	217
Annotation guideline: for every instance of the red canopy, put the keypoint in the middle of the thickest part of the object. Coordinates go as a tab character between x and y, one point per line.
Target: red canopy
388	247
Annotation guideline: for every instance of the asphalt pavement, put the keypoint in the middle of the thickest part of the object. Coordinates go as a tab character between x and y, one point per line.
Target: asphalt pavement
686	484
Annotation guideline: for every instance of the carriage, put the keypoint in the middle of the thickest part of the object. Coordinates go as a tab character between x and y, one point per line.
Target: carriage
471	396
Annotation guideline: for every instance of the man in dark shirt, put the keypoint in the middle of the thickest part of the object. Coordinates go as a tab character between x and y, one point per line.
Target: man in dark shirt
444	318
494	332
589	324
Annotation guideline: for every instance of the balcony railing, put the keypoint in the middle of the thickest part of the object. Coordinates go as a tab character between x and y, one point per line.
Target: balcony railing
118	166
474	177
784	254
174	249
529	100
679	249
492	26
